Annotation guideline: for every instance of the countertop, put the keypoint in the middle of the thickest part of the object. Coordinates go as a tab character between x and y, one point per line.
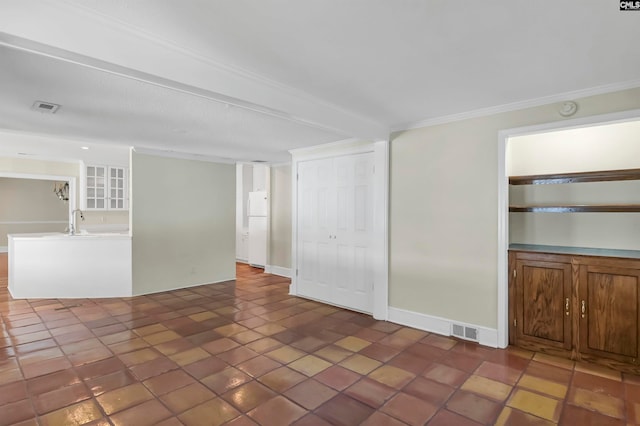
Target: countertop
65	236
581	251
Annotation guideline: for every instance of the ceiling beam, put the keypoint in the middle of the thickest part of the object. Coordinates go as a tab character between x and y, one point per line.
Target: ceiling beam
76	35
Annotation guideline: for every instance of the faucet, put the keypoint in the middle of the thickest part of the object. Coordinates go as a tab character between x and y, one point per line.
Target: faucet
72	225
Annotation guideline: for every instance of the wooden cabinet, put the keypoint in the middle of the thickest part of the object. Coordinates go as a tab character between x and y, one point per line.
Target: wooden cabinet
609	310
575	305
543	293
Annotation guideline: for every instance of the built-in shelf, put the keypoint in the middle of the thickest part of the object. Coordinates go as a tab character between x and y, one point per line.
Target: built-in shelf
601	208
557	178
599	176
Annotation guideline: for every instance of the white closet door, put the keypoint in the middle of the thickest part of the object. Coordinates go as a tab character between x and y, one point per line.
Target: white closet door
315	222
335	230
353	284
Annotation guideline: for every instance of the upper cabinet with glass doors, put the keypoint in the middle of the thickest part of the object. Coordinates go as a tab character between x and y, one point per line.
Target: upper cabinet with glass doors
105	188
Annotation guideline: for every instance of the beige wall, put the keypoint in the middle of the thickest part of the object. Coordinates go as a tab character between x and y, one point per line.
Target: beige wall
33	203
183	223
280	238
604	147
443	210
38	167
34	167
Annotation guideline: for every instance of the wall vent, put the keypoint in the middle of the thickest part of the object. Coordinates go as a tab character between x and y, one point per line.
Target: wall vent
464	332
47	107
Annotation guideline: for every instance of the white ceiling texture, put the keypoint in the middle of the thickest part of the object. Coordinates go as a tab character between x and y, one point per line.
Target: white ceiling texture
249	80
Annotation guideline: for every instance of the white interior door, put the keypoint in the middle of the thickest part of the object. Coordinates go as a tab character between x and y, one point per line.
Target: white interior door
315	263
335	230
353	235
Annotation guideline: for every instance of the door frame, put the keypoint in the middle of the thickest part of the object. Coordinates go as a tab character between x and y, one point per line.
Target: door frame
380	258
503	198
60	178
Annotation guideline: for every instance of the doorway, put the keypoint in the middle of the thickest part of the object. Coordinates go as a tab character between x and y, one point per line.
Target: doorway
332	261
335	230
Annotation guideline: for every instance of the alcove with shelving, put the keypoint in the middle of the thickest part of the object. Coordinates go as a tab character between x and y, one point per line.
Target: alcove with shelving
574	252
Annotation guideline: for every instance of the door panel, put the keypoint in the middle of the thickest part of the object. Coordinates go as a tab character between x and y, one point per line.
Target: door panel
354	233
361	272
542	297
315	186
609	325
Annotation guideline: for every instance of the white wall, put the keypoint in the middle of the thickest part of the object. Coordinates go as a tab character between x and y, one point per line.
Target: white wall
444	214
183	222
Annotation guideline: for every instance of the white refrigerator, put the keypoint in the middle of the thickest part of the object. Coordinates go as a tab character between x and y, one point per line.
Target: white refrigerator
257	210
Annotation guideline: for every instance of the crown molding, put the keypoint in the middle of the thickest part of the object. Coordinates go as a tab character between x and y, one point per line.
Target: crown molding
281	164
182	155
545	100
330	145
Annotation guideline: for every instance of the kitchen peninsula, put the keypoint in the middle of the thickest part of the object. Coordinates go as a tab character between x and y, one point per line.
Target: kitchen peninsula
57	265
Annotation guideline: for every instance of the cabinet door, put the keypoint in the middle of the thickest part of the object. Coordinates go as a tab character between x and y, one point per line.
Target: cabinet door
96	187
117	188
609	317
543	300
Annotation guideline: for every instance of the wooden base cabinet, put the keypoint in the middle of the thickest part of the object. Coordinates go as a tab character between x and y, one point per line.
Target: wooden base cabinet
543	292
582	307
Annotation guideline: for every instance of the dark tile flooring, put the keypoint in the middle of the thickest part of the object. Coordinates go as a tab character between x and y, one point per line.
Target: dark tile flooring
245	352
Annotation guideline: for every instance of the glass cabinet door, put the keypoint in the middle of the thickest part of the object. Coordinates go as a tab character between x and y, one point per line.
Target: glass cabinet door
96	187
117	196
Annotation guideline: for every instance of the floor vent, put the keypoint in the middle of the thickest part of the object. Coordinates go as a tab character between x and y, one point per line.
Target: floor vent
463	332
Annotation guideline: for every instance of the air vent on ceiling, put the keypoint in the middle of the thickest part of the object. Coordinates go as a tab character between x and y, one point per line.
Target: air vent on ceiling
45	107
464	332
258	161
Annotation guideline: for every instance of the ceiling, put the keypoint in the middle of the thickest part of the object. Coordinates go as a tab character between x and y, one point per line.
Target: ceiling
248	81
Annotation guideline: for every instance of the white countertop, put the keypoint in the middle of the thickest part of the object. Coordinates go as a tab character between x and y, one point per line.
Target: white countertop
65	236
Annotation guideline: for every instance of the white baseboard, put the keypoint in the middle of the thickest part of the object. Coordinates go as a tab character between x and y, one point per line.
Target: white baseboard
433	324
278	270
4	249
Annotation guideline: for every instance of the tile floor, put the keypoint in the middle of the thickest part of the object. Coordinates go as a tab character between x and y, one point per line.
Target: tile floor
244	353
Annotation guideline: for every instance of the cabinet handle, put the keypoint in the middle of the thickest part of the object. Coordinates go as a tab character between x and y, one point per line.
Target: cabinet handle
583	309
566	306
